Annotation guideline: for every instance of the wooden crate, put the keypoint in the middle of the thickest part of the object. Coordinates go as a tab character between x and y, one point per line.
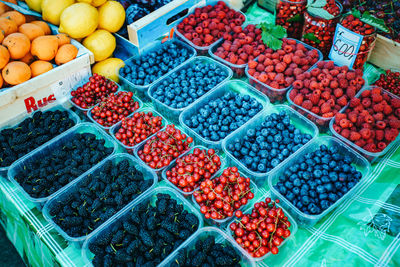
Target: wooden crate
386	53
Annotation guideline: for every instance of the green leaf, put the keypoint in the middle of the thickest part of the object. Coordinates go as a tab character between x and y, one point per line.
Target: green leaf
356	13
271	35
320	12
296	18
311	37
278	32
316	3
374	21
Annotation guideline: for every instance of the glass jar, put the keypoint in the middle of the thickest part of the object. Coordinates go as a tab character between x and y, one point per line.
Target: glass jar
289	14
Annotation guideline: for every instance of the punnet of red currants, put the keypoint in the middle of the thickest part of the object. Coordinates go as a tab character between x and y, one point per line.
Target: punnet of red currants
390	81
220	197
161	149
93	92
114	108
263	230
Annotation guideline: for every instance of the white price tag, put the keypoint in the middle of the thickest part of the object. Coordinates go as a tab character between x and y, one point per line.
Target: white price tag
62	88
346	45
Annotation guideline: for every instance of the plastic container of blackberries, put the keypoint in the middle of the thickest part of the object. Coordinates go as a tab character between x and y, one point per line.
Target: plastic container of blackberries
173	113
371	156
274	94
114	129
298	120
173	164
49	147
107	129
150	195
220	237
63	195
358	161
233	86
17	120
142	89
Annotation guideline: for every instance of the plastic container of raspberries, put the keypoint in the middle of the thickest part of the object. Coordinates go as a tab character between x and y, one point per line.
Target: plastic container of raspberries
15	121
371	156
89	113
293	229
142	89
202	50
57	142
150	195
358	161
235	86
173	164
274	94
298	120
114	129
63	194
173	113
220	237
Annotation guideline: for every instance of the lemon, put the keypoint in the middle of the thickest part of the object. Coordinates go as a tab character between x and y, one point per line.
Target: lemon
79	20
102	44
52	9
35	5
109	68
94	3
111	16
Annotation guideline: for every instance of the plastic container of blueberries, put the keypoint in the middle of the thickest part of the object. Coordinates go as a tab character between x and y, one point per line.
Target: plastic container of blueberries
358	161
173	113
202	50
173	164
235	86
278	95
220	237
149	195
63	194
17	120
142	89
293	229
57	142
114	129
298	120
107	129
372	157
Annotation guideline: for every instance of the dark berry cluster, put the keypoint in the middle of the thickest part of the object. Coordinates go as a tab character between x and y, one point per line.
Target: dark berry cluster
207	253
44	175
137	9
146	235
318	180
182	88
222	115
17	141
267	145
148	68
98	197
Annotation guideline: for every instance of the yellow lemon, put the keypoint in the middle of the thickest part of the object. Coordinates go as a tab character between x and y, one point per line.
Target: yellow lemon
94	3
109	68
35	5
52	9
111	16
102	44
79	20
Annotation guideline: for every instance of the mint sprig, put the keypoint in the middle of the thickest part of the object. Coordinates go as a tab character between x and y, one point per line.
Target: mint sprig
272	35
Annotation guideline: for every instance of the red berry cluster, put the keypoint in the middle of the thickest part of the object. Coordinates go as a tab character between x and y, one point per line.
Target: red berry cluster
194	168
210	23
164	147
390	81
326	89
93	92
219	198
289	14
332	7
114	108
263	230
138	128
371	122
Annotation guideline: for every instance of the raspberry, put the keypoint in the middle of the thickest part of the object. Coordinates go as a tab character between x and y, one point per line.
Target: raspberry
391	134
376	98
378	116
395	102
337	92
252	64
379	135
345	133
325	108
354	136
354	102
371	147
345	123
351	91
387	110
352	116
394	123
293	94
365	133
350	75
378	107
314	98
307	104
342	101
315	110
366	102
298	100
380	125
339	117
381	146
360	143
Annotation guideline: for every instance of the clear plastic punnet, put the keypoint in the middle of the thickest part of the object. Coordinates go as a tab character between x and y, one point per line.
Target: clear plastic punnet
298	120
371	156
142	89
14	122
358	161
63	194
56	143
274	94
173	113
150	196
235	86
220	237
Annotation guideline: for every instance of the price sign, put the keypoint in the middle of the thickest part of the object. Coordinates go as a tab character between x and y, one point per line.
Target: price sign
346	45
